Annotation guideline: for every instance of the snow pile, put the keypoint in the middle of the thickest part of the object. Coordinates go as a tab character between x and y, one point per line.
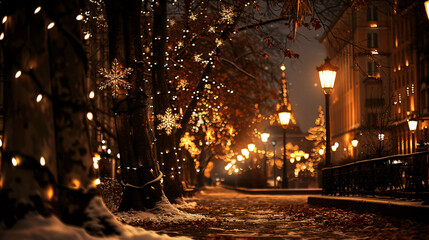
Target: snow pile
186	205
163	212
37	227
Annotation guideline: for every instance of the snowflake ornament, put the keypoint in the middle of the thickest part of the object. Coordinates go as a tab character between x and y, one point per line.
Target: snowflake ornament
115	78
212	29
182	84
193	16
227	15
168	121
219	42
197	58
180	44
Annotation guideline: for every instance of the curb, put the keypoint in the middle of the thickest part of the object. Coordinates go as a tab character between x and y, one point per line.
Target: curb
388	207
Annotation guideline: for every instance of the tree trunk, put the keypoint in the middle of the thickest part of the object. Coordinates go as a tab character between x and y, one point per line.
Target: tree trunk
139	171
47	164
165	143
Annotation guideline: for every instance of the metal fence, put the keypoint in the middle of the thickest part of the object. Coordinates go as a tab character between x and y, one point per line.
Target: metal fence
404	176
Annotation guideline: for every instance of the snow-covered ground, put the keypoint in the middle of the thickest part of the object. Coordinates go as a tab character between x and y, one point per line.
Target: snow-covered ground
216	213
37	227
235	215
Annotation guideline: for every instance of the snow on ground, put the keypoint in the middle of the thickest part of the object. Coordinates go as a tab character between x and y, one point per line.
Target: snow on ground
163	212
37	227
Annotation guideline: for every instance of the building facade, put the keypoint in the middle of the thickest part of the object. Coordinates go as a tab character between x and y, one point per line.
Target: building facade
382	52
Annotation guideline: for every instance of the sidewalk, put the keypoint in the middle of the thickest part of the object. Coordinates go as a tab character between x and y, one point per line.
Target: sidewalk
386	206
276	191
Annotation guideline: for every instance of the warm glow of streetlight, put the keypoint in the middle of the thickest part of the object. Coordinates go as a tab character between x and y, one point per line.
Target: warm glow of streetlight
306	156
283	67
355	142
240	158
245	152
321	151
264	137
334	148
89	115
427	8
284	117
327	74
251	147
412	125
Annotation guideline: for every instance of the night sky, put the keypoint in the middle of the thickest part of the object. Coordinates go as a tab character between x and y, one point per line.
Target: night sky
304	85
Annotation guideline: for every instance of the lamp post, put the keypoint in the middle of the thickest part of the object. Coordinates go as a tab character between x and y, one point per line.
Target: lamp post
412	125
284	116
274	142
327	74
264	138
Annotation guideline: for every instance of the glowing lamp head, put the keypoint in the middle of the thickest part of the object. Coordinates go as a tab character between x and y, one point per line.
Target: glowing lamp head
355	142
327	74
245	152
282	67
89	115
42	161
284	117
427	8
321	151
264	137
251	147
306	156
240	158
412	125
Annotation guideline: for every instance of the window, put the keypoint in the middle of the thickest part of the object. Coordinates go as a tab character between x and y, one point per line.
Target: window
372	69
371	14
372	40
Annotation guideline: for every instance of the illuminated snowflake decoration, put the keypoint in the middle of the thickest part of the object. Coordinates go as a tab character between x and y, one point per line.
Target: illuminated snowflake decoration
182	84
219	42
168	121
115	78
193	16
180	44
227	15
197	58
212	29
172	22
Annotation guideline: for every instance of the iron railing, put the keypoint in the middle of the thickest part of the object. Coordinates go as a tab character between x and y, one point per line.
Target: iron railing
403	176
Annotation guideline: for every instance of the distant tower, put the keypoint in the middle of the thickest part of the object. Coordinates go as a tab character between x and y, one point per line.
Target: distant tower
283	99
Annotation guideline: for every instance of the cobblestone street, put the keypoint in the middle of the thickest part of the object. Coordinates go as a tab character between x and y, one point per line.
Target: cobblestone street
232	215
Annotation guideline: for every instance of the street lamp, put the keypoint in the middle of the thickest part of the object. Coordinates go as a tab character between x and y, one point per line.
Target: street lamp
412	125
284	116
274	142
327	74
264	138
355	143
427	8
251	148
